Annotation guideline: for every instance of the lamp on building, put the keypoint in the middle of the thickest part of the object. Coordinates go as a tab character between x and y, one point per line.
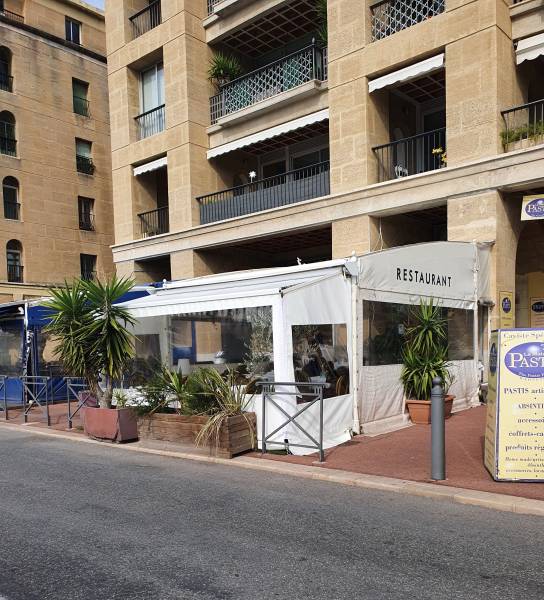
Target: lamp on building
252	176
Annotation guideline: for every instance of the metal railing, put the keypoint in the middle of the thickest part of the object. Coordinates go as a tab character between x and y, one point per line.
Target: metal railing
154	222
11	16
76	388
268	81
84	164
4	395
272	192
12	210
86	221
151	122
416	154
524	126
81	106
8	146
211	6
306	393
146	19
391	16
88	275
6	82
15	273
36	392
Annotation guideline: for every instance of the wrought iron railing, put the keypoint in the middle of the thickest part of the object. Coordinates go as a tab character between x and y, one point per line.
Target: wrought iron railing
86	221
81	106
151	122
268	81
524	126
85	164
390	16
146	19
15	273
272	192
417	154
11	16
6	82
154	222
12	210
8	146
211	5
88	275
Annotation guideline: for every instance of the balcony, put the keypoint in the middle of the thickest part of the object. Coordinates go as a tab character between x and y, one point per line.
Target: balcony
524	126
211	5
6	82
413	155
151	122
300	67
15	273
11	16
8	146
81	106
146	19
154	222
12	210
86	221
391	16
85	165
272	192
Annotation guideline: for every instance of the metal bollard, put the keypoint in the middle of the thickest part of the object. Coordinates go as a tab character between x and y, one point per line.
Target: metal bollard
438	432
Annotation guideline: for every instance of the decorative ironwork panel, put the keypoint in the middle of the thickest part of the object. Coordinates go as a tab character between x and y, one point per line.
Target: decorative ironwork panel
391	16
524	126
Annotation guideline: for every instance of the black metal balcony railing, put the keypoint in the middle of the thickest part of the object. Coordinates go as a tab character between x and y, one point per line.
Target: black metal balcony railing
6	82
146	19
86	221
211	5
391	16
81	106
8	146
15	273
272	192
12	210
524	126
11	16
154	222
88	275
85	164
417	154
151	122
284	74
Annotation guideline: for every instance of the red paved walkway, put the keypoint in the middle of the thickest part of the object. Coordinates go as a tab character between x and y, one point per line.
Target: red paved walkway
405	454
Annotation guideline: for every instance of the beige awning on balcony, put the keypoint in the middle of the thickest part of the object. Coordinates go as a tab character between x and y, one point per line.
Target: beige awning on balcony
265	134
424	67
150	166
530	48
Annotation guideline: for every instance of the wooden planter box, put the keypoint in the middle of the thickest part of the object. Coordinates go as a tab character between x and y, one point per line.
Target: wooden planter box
235	436
112	424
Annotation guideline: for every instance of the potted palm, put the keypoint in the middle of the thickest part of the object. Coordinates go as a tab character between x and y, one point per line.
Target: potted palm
94	343
424	357
223	68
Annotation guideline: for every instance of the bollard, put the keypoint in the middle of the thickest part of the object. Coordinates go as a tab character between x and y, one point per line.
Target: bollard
438	433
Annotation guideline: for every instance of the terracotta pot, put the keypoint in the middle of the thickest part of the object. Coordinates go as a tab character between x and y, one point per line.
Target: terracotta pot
113	424
420	410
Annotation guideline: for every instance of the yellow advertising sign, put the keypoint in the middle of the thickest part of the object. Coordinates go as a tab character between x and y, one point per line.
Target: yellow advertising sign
532	208
507	312
514	437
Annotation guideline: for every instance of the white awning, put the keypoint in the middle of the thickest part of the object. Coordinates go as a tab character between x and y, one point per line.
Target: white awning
530	48
266	134
151	166
408	73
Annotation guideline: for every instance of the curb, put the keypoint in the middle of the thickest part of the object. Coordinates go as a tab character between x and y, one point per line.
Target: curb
502	502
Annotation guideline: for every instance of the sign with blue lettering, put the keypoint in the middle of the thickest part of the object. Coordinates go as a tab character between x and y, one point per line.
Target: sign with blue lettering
532	208
506	310
537	312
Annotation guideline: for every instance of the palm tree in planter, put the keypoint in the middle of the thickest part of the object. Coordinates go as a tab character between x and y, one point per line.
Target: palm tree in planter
94	343
424	357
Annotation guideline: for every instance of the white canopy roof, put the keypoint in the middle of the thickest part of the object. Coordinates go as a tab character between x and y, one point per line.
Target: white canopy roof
151	166
530	48
408	73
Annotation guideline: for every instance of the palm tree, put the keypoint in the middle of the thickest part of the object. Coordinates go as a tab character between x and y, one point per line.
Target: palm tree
91	332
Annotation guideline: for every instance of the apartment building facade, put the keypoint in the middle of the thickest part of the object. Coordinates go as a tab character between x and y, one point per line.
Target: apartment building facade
381	124
56	221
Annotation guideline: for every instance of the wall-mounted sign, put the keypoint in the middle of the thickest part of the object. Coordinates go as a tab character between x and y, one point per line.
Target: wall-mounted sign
514	435
532	208
506	310
537	312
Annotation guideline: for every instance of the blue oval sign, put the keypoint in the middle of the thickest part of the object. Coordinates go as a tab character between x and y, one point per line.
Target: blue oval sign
535	208
506	305
538	307
493	359
526	360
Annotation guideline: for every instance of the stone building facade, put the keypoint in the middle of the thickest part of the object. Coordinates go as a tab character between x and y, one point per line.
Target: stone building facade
56	221
382	124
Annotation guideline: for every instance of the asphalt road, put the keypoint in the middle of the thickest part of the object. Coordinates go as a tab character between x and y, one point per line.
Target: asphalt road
80	521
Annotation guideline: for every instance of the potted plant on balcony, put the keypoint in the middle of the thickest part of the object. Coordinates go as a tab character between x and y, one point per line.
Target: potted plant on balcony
223	68
94	343
424	356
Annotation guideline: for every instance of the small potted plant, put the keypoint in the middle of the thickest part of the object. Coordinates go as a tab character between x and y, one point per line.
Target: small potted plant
223	68
94	343
424	357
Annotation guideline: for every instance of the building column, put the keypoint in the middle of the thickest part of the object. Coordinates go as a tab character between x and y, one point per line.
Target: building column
357	234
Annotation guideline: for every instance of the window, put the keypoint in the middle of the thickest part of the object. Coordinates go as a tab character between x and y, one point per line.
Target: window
10	192
86	214
84	159
152	118
11	348
80	93
88	266
8	143
6	80
73	31
14	253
